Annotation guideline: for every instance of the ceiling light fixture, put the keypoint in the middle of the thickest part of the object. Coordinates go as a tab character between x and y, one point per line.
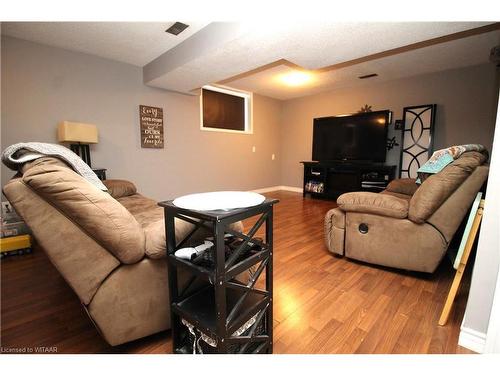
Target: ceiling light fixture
368	76
296	78
177	28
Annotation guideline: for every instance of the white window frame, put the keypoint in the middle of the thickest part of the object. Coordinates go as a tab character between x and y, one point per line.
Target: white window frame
248	100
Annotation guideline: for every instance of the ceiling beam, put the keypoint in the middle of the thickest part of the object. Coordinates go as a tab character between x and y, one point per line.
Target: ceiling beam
207	39
375	56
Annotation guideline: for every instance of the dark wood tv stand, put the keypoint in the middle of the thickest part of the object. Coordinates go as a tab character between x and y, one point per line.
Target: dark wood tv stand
330	179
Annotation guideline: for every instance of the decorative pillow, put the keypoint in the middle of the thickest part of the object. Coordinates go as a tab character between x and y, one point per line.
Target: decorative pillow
433	166
120	188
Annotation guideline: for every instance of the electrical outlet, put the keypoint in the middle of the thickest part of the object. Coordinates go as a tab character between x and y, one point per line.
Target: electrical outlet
253	149
272	157
8	213
6	209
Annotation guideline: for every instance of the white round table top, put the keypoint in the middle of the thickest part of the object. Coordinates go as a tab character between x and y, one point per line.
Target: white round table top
219	200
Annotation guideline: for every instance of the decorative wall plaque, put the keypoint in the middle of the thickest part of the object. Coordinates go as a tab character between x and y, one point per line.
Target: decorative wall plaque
151	122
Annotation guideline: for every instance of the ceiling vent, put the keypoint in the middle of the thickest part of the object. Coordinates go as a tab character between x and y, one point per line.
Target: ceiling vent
177	28
368	76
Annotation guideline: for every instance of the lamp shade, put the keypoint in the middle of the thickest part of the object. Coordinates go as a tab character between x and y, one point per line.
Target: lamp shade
77	132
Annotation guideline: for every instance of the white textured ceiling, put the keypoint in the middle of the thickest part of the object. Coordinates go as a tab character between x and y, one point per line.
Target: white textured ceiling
310	45
459	53
135	43
182	64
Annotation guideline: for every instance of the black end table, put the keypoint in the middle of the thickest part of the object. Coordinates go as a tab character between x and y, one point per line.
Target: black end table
212	302
100	172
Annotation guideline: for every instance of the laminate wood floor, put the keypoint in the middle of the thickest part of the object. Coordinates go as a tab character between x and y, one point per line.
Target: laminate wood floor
322	303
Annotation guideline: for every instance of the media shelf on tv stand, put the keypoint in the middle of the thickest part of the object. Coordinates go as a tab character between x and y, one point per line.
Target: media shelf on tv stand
212	311
340	177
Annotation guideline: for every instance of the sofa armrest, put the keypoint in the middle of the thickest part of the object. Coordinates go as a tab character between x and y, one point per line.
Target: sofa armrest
405	186
120	188
373	203
335	230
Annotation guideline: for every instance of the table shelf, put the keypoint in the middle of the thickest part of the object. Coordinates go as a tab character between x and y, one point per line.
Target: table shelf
200	310
208	274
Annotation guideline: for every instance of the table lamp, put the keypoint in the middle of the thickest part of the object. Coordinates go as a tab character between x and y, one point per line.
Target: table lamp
80	135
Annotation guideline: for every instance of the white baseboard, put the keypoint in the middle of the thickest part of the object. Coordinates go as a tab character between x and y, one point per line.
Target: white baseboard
472	339
292	188
280	187
267	189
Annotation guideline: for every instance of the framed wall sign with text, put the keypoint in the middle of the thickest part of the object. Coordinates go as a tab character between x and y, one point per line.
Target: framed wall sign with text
151	122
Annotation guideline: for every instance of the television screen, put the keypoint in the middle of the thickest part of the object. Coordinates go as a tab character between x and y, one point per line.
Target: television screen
360	137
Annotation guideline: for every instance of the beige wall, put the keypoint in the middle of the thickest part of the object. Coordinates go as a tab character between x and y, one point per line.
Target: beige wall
465	113
42	85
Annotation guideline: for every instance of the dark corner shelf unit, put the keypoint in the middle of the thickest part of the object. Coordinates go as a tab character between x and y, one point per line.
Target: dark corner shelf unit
207	301
328	180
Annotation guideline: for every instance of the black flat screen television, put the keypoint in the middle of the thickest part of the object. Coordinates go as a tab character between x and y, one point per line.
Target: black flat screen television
359	137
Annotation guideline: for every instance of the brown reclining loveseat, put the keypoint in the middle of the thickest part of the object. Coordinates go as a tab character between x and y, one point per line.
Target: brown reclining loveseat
109	247
406	226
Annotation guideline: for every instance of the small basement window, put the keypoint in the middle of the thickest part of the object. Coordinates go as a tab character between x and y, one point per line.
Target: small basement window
225	110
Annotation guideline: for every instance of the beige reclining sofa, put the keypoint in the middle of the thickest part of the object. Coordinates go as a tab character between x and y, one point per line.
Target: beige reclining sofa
109	247
406	226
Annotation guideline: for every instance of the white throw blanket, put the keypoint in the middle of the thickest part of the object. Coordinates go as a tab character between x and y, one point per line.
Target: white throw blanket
35	150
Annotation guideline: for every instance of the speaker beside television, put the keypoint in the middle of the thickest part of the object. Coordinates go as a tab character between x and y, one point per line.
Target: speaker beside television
361	137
